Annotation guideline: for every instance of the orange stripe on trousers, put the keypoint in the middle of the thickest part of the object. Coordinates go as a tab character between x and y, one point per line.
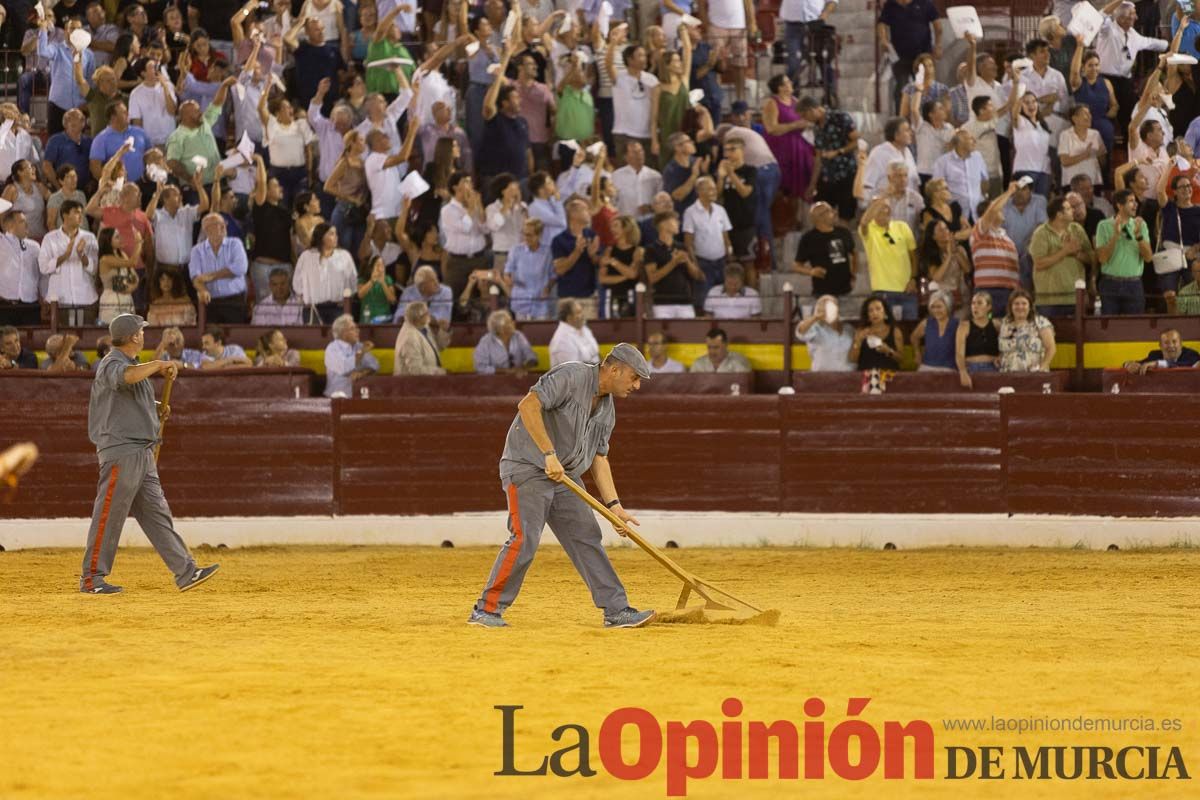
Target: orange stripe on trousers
112	485
492	600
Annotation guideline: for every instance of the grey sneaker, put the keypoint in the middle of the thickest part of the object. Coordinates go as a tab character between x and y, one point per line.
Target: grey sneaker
629	617
199	576
485	619
102	587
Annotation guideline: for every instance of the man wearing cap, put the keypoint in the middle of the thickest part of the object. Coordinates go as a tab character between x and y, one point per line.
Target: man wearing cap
123	424
570	413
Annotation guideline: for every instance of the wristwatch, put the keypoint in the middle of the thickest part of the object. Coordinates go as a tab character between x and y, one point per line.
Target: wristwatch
615	502
549	453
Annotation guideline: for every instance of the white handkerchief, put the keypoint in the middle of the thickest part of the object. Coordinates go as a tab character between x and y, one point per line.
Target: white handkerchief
472	48
5	128
571	143
510	23
413	185
278	82
200	161
240	91
695	96
1022	64
40	9
964	20
582	55
492	69
604	16
566	23
689	20
156	173
80	39
1182	163
4	205
1181	58
595	148
246	147
233	163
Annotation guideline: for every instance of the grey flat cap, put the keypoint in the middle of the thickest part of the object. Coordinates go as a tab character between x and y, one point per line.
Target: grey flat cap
628	354
124	326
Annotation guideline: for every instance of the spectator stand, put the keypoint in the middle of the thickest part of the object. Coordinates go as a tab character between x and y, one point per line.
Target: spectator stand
1183	380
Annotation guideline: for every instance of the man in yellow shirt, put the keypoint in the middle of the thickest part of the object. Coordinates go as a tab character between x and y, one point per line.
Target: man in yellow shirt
891	257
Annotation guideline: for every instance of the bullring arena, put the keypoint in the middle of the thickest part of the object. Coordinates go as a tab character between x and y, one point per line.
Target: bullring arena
949	555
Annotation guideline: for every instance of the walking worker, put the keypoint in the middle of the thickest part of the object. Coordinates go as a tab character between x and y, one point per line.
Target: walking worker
569	413
124	426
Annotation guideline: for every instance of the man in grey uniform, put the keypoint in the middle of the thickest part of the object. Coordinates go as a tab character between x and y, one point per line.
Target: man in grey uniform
124	426
562	428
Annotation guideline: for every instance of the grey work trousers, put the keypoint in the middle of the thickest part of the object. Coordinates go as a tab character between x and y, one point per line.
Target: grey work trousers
129	486
531	506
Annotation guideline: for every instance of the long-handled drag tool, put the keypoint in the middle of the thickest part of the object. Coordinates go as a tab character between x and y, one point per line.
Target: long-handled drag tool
164	409
719	605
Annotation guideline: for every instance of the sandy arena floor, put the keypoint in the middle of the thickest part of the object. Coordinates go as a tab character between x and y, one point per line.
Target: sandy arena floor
348	672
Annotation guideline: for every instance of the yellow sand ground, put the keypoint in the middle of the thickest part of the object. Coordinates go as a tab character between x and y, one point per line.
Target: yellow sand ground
348	672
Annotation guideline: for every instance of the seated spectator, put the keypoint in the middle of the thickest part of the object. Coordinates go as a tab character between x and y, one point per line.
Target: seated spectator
828	338
418	348
529	274
719	358
573	339
282	306
1187	300
103	345
346	358
1026	337
503	350
997	267
169	300
1171	354
218	355
218	270
117	274
660	363
935	336
1080	148
1062	255
891	258
670	271
1122	248
13	354
171	348
879	343
733	299
427	289
376	294
61	355
273	351
324	275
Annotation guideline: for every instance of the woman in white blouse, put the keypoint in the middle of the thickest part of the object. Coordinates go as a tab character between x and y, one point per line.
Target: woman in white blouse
288	141
1031	143
505	218
1080	148
324	274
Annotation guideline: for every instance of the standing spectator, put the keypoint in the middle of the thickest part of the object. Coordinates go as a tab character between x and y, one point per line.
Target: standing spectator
152	104
1031	143
828	338
316	60
944	261
28	195
127	217
670	271
733	299
426	289
803	20
826	253
1080	148
904	200
977	343
941	206
174	222
547	206
346	358
116	273
272	230
462	223
1089	218
933	90
982	129
114	140
169	300
282	306
331	135
965	172
729	23
670	101
418	348
288	141
934	337
706	229
1062	255
879	343
1119	45
217	267
70	256
384	172
1179	235
346	186
997	267
72	147
13	354
898	139
632	91
572	339
682	171
835	140
505	131
576	117
503	350
905	26
707	62
324	275
1022	215
1122	248
891	258
99	97
442	126
759	156
576	253
1026	337
64	93
537	106
506	219
785	129
1147	148
621	268
1094	91
718	358
16	144
194	139
736	180
19	273
933	134
529	275
982	74
1048	85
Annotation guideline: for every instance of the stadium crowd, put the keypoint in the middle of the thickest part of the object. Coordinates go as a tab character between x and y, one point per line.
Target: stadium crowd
268	163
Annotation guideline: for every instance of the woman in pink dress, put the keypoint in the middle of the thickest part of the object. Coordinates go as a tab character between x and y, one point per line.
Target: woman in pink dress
785	136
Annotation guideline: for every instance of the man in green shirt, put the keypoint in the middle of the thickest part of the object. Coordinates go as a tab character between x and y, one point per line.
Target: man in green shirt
386	44
194	137
1123	248
1062	254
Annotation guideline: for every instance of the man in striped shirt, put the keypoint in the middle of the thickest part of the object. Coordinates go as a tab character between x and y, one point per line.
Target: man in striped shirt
997	267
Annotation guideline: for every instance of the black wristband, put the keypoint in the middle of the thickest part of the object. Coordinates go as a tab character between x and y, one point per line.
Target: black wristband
616	502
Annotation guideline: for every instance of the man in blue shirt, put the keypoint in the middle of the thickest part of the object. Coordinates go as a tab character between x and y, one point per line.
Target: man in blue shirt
682	171
576	252
71	146
110	141
218	271
64	94
705	73
906	26
1187	44
316	60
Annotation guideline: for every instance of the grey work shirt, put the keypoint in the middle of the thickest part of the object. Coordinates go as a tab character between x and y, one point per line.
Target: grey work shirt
122	417
578	434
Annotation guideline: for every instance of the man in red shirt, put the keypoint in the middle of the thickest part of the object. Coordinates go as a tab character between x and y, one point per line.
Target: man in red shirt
997	268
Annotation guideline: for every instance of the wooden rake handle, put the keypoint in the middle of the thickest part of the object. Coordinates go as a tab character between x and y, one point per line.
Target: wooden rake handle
162	411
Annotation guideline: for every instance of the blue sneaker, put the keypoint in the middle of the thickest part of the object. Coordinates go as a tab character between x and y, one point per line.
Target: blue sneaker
199	576
629	617
485	619
102	587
